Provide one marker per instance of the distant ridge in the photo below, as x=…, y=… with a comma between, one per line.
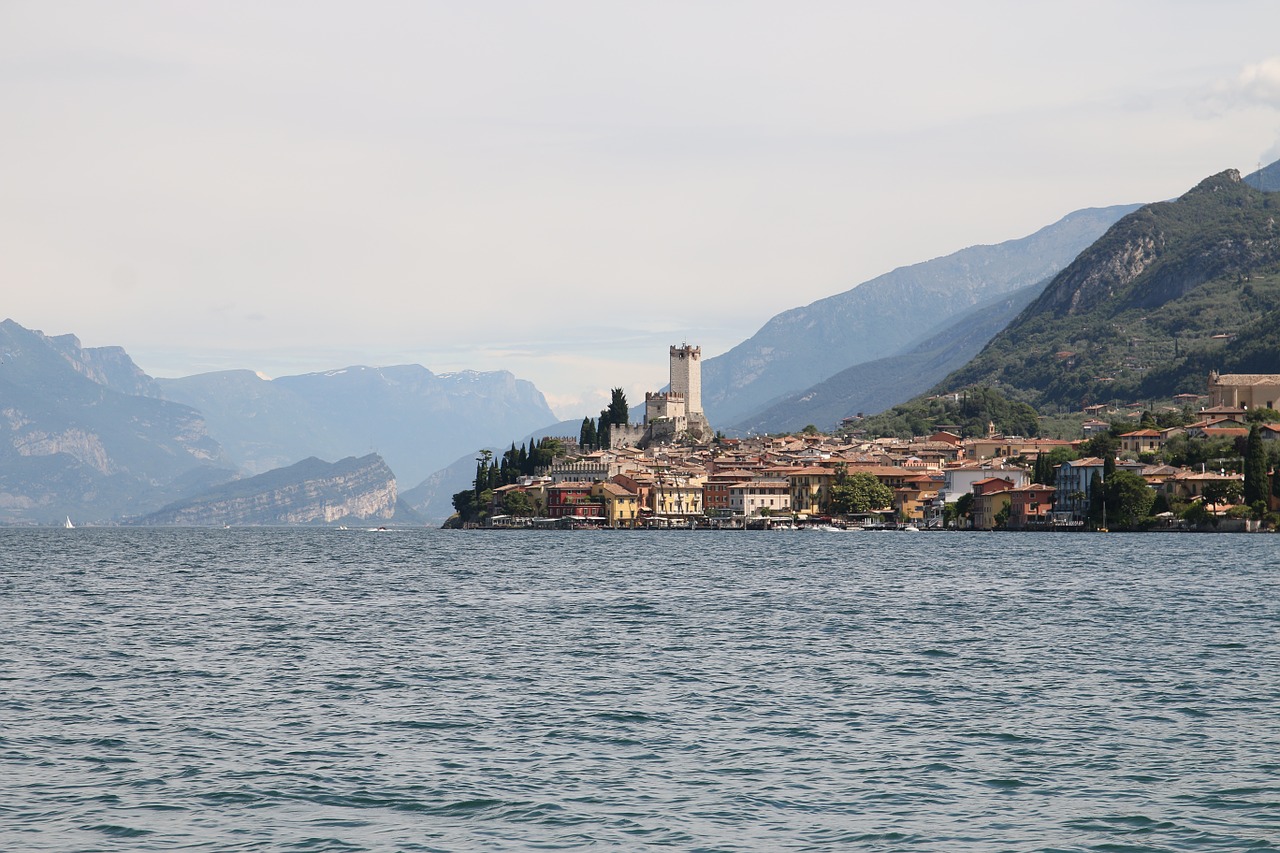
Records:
x=876, y=385
x=417, y=420
x=308, y=492
x=1266, y=179
x=887, y=315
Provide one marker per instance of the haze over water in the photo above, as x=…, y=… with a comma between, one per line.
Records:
x=288, y=689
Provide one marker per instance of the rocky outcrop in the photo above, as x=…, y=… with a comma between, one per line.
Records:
x=1170, y=292
x=1214, y=229
x=310, y=492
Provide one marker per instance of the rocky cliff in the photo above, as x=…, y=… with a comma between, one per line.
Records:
x=83, y=434
x=310, y=492
x=1169, y=292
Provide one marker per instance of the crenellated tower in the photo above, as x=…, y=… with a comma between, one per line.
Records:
x=686, y=376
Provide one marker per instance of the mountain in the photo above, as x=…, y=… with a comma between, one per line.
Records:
x=1266, y=179
x=308, y=492
x=1169, y=292
x=418, y=421
x=886, y=315
x=83, y=433
x=876, y=385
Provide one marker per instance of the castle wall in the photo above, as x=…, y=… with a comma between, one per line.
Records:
x=631, y=435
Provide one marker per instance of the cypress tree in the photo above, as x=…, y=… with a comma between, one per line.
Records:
x=618, y=413
x=1043, y=471
x=603, y=431
x=1255, y=468
x=1097, y=497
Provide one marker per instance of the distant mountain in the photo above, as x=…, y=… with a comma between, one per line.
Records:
x=83, y=434
x=886, y=315
x=1168, y=293
x=1266, y=179
x=876, y=385
x=309, y=492
x=418, y=421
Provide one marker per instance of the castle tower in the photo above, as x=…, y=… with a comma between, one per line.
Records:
x=686, y=376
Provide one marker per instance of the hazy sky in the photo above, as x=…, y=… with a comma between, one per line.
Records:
x=563, y=189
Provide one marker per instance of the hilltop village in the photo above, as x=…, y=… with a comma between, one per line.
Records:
x=1207, y=463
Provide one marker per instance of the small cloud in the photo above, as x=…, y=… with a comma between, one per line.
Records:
x=1260, y=83
x=1257, y=85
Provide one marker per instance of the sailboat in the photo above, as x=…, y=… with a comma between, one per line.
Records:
x=68, y=524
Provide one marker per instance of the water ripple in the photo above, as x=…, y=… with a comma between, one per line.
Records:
x=251, y=690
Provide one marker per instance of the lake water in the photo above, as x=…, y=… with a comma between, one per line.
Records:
x=438, y=690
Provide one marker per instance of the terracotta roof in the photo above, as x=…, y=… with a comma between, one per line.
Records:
x=1249, y=379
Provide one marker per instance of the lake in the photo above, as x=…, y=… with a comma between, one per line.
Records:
x=426, y=690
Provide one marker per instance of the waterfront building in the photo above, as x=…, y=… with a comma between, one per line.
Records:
x=752, y=498
x=621, y=506
x=1030, y=506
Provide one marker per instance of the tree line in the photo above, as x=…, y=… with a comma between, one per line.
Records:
x=596, y=433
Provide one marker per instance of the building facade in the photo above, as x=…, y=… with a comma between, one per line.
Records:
x=1246, y=390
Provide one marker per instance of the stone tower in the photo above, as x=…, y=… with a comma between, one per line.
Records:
x=686, y=376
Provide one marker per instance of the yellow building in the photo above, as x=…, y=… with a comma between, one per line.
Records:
x=810, y=489
x=676, y=497
x=621, y=507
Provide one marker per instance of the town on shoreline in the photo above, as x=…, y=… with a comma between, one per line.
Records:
x=1196, y=463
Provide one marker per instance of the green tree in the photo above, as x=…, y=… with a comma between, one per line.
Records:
x=1103, y=445
x=517, y=503
x=1097, y=498
x=464, y=504
x=1255, y=467
x=1129, y=499
x=618, y=412
x=1218, y=492
x=809, y=429
x=481, y=481
x=858, y=493
x=1047, y=464
x=604, y=430
x=587, y=434
x=964, y=507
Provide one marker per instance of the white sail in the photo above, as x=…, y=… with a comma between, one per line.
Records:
x=68, y=524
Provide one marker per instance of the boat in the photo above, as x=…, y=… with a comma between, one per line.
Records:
x=911, y=528
x=68, y=525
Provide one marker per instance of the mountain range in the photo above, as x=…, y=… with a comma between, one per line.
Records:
x=416, y=420
x=85, y=433
x=892, y=314
x=1169, y=292
x=1107, y=303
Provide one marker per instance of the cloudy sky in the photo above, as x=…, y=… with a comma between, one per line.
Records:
x=562, y=189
